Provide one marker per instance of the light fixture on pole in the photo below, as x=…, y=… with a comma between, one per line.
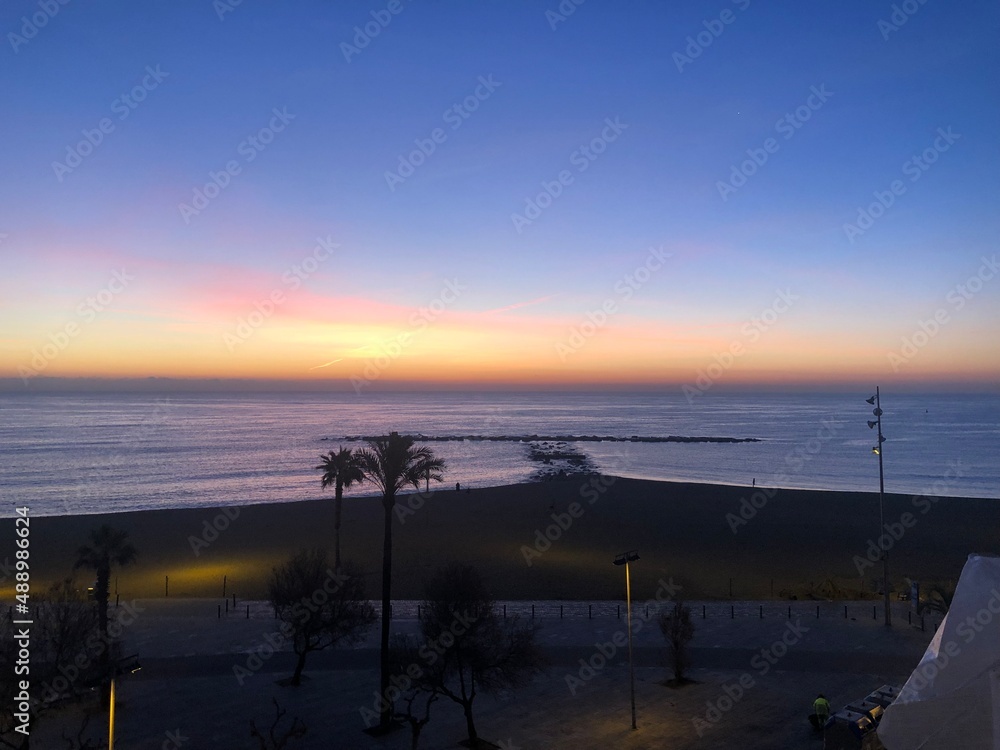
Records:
x=877, y=450
x=129, y=664
x=624, y=559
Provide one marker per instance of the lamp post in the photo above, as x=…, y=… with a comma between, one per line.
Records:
x=624, y=559
x=129, y=664
x=877, y=450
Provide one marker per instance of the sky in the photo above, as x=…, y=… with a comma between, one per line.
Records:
x=401, y=193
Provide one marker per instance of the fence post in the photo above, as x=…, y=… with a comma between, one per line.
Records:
x=702, y=611
x=560, y=611
x=248, y=611
x=220, y=611
x=532, y=611
x=504, y=611
x=619, y=611
x=590, y=611
x=874, y=612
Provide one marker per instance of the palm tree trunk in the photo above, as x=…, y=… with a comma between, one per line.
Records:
x=385, y=719
x=101, y=595
x=337, y=502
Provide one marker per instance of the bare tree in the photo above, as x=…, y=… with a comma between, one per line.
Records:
x=319, y=606
x=273, y=740
x=66, y=628
x=417, y=683
x=65, y=624
x=678, y=630
x=469, y=646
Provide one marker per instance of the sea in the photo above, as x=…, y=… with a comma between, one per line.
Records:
x=77, y=454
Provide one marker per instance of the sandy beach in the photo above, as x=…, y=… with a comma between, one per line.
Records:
x=710, y=538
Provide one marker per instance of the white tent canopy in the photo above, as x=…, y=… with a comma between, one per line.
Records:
x=952, y=698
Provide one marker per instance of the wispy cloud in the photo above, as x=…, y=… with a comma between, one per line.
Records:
x=519, y=305
x=317, y=367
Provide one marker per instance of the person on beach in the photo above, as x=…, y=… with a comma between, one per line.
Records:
x=821, y=712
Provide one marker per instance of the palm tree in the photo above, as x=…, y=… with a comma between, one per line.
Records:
x=108, y=547
x=391, y=464
x=341, y=470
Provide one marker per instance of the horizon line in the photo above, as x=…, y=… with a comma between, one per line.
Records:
x=152, y=384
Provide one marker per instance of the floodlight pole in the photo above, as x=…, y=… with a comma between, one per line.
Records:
x=631, y=665
x=881, y=510
x=111, y=716
x=624, y=559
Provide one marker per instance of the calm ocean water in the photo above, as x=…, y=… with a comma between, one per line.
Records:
x=67, y=455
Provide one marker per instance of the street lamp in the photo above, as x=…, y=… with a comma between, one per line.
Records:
x=877, y=450
x=130, y=665
x=624, y=559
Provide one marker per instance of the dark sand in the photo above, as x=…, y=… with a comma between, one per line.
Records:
x=797, y=542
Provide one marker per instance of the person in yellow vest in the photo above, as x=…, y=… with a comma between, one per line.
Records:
x=821, y=712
